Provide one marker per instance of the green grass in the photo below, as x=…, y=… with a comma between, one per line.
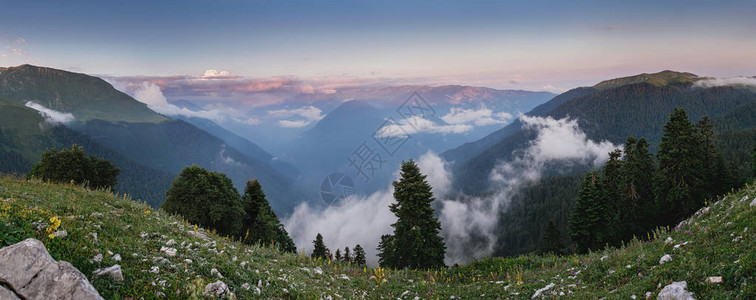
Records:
x=718, y=244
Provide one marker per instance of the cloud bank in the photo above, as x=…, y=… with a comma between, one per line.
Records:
x=307, y=115
x=740, y=80
x=479, y=117
x=151, y=94
x=51, y=116
x=476, y=218
x=418, y=124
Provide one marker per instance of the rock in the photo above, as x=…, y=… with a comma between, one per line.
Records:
x=217, y=289
x=715, y=279
x=155, y=269
x=665, y=258
x=60, y=233
x=114, y=272
x=677, y=290
x=188, y=261
x=29, y=272
x=216, y=273
x=541, y=290
x=169, y=251
x=170, y=242
x=7, y=294
x=245, y=286
x=197, y=234
x=753, y=203
x=117, y=257
x=318, y=270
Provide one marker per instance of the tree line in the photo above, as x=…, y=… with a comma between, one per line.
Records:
x=633, y=193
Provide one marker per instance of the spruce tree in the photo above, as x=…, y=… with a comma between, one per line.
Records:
x=637, y=206
x=347, y=255
x=338, y=255
x=552, y=240
x=386, y=251
x=359, y=256
x=679, y=179
x=261, y=225
x=588, y=221
x=610, y=194
x=319, y=249
x=716, y=175
x=416, y=242
x=753, y=160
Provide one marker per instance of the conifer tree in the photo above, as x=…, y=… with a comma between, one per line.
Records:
x=679, y=179
x=338, y=255
x=753, y=159
x=385, y=249
x=716, y=176
x=261, y=223
x=589, y=219
x=552, y=240
x=347, y=255
x=359, y=256
x=637, y=206
x=610, y=194
x=319, y=249
x=416, y=242
x=208, y=199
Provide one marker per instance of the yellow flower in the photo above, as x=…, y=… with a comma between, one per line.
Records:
x=51, y=236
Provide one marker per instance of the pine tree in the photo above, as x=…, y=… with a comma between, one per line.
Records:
x=589, y=219
x=338, y=255
x=416, y=242
x=359, y=256
x=319, y=249
x=679, y=179
x=261, y=223
x=552, y=240
x=347, y=255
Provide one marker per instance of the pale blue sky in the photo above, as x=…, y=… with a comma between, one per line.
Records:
x=512, y=44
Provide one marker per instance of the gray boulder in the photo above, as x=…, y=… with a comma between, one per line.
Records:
x=677, y=290
x=29, y=272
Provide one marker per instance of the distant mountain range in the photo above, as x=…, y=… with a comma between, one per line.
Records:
x=612, y=110
x=105, y=118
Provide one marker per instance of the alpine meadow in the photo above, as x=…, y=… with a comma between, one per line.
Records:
x=377, y=150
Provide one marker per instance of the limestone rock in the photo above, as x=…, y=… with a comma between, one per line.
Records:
x=664, y=259
x=715, y=279
x=7, y=294
x=31, y=273
x=677, y=290
x=114, y=272
x=217, y=289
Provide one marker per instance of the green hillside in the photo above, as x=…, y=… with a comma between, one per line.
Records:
x=662, y=78
x=24, y=135
x=86, y=97
x=717, y=241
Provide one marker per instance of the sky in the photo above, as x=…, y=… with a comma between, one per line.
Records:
x=531, y=45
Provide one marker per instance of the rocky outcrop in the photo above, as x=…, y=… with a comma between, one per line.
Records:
x=29, y=272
